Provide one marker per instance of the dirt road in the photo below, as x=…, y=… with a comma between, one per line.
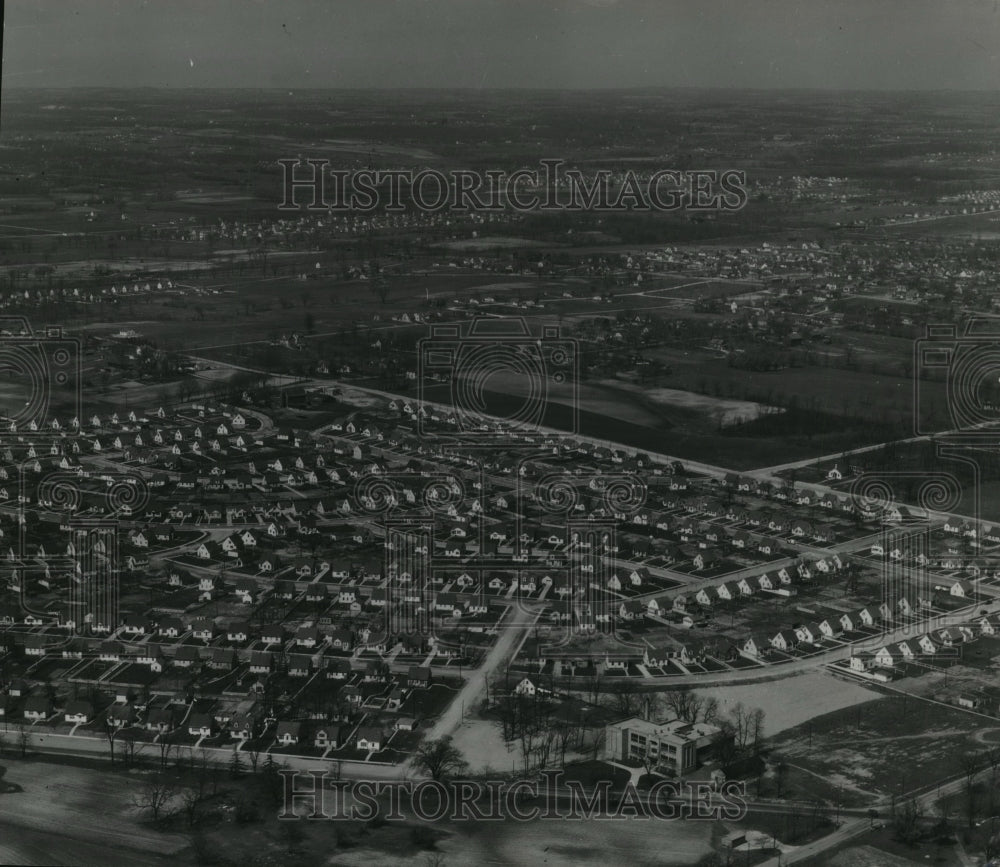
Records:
x=512, y=632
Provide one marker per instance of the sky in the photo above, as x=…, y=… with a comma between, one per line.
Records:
x=831, y=44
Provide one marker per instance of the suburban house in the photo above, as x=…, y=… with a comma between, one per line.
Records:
x=200, y=725
x=37, y=707
x=327, y=736
x=79, y=712
x=288, y=733
x=370, y=738
x=809, y=633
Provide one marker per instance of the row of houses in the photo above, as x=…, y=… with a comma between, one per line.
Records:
x=953, y=558
x=241, y=727
x=865, y=618
x=891, y=656
x=869, y=508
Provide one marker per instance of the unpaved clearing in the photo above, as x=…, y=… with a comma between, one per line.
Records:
x=491, y=242
x=793, y=700
x=72, y=815
x=718, y=408
x=868, y=856
x=483, y=747
x=562, y=843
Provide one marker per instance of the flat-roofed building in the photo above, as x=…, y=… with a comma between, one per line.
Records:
x=674, y=743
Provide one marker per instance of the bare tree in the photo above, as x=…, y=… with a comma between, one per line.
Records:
x=738, y=722
x=685, y=703
x=906, y=826
x=594, y=685
x=710, y=711
x=165, y=745
x=564, y=731
x=191, y=800
x=206, y=771
x=197, y=792
x=726, y=749
x=780, y=777
x=111, y=731
x=23, y=739
x=154, y=795
x=547, y=740
x=625, y=698
x=253, y=755
x=971, y=765
x=131, y=745
x=756, y=729
x=440, y=758
x=650, y=761
x=528, y=739
x=993, y=757
x=748, y=727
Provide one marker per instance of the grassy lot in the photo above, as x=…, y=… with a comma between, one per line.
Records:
x=806, y=786
x=885, y=746
x=878, y=848
x=790, y=702
x=591, y=773
x=795, y=828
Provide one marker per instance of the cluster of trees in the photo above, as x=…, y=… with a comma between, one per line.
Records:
x=742, y=729
x=547, y=731
x=188, y=786
x=386, y=356
x=912, y=824
x=801, y=422
x=973, y=793
x=542, y=730
x=965, y=463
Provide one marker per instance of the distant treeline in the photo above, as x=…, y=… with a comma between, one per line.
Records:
x=799, y=421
